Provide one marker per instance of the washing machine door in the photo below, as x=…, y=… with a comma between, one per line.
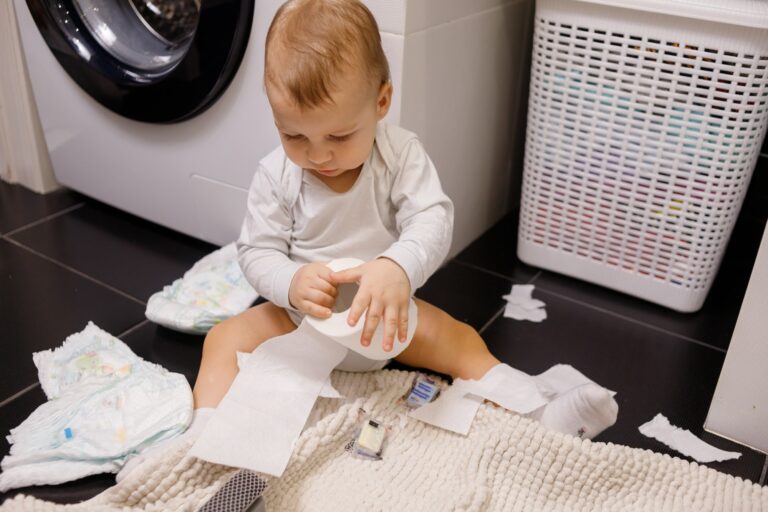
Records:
x=158, y=61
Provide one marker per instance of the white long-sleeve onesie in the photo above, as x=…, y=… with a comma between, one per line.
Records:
x=396, y=209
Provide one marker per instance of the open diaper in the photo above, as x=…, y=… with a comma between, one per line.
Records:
x=213, y=290
x=104, y=404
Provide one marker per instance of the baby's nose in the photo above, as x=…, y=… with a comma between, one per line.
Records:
x=318, y=156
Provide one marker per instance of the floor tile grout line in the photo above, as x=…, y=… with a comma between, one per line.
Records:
x=75, y=271
x=481, y=269
x=764, y=474
x=531, y=280
x=633, y=320
x=132, y=328
x=492, y=319
x=44, y=219
x=18, y=394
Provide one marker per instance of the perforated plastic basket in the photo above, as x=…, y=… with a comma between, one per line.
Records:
x=644, y=126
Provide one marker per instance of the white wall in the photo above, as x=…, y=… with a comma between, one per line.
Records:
x=464, y=83
x=739, y=409
x=23, y=153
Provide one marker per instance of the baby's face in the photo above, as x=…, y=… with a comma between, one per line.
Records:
x=331, y=139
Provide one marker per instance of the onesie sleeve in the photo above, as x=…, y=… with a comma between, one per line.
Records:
x=424, y=216
x=264, y=242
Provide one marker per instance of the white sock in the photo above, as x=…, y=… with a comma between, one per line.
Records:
x=200, y=418
x=584, y=411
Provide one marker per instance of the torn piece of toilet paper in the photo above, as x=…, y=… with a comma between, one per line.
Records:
x=509, y=388
x=521, y=294
x=521, y=306
x=261, y=416
x=684, y=441
x=453, y=410
x=560, y=379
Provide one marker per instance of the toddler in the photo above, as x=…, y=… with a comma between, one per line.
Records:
x=343, y=184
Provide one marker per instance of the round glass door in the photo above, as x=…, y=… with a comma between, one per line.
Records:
x=157, y=61
x=151, y=36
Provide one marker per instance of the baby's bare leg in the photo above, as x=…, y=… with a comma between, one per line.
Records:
x=445, y=345
x=241, y=333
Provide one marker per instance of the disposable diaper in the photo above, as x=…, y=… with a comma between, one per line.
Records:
x=213, y=290
x=104, y=404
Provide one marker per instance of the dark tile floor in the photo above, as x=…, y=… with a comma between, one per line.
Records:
x=66, y=259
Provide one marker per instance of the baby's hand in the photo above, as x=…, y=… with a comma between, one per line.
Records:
x=385, y=292
x=311, y=290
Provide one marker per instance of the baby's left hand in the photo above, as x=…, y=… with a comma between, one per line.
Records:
x=385, y=292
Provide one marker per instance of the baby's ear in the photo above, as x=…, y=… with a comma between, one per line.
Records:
x=384, y=100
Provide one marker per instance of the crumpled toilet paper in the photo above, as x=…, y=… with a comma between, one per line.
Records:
x=104, y=403
x=267, y=406
x=684, y=441
x=213, y=290
x=521, y=306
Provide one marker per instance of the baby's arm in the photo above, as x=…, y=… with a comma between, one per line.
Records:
x=263, y=249
x=424, y=219
x=424, y=216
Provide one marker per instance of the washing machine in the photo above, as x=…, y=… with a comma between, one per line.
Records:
x=153, y=106
x=158, y=108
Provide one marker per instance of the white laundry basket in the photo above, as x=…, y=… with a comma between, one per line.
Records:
x=644, y=126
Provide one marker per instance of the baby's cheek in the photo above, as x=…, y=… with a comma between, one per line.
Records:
x=293, y=155
x=354, y=157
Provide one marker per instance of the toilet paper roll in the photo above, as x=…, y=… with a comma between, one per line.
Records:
x=336, y=327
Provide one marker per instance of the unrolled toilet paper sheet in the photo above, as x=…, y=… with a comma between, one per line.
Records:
x=560, y=379
x=327, y=391
x=456, y=407
x=260, y=418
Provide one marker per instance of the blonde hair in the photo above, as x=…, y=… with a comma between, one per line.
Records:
x=311, y=42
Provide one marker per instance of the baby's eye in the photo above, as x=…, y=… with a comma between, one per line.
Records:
x=292, y=137
x=340, y=138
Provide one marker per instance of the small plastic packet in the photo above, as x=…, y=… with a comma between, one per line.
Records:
x=422, y=391
x=369, y=438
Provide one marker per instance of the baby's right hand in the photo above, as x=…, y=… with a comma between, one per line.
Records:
x=311, y=290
